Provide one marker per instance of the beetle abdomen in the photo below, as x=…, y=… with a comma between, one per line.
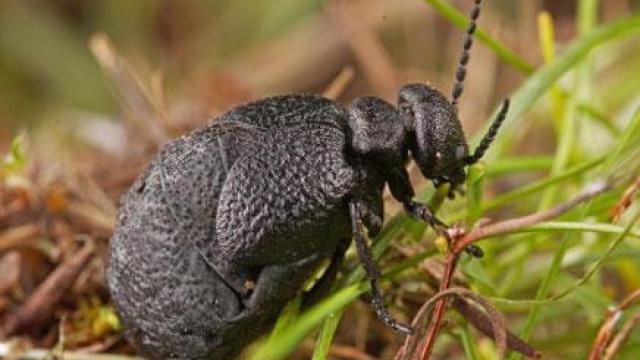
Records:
x=171, y=300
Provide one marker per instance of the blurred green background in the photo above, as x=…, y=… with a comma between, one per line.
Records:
x=46, y=68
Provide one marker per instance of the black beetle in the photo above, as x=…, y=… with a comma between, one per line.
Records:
x=228, y=222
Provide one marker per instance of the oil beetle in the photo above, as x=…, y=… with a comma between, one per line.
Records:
x=228, y=222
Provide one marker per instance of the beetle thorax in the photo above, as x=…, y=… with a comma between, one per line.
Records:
x=377, y=132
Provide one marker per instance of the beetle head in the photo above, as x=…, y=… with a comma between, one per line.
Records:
x=436, y=139
x=426, y=124
x=435, y=135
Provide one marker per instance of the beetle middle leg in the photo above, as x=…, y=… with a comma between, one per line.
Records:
x=372, y=272
x=402, y=190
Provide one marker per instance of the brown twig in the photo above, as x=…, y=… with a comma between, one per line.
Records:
x=494, y=321
x=134, y=94
x=368, y=50
x=406, y=351
x=625, y=201
x=481, y=322
x=92, y=216
x=41, y=303
x=458, y=242
x=18, y=236
x=339, y=83
x=349, y=353
x=341, y=351
x=511, y=225
x=471, y=313
x=438, y=313
x=600, y=347
x=9, y=351
x=617, y=342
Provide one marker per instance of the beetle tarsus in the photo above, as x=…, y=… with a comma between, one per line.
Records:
x=474, y=251
x=422, y=212
x=372, y=273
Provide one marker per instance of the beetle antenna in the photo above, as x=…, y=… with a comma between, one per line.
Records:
x=490, y=135
x=461, y=71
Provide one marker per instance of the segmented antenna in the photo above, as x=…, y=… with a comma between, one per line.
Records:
x=490, y=135
x=461, y=71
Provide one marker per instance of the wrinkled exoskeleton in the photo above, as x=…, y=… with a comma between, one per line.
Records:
x=228, y=222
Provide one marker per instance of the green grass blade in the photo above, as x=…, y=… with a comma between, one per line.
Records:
x=612, y=246
x=537, y=186
x=518, y=165
x=329, y=311
x=327, y=332
x=541, y=81
x=461, y=21
x=468, y=344
x=578, y=226
x=287, y=341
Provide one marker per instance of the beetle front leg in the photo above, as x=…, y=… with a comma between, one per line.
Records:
x=402, y=190
x=372, y=272
x=422, y=212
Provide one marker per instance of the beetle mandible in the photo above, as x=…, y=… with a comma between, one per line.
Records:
x=228, y=222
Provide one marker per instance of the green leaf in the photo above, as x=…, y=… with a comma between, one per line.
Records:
x=16, y=159
x=475, y=190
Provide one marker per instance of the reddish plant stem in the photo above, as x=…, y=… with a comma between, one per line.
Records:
x=512, y=225
x=625, y=201
x=482, y=322
x=460, y=241
x=438, y=312
x=607, y=329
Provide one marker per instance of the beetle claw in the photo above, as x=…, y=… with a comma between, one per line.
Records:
x=474, y=251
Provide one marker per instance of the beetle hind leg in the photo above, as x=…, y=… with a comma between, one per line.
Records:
x=372, y=272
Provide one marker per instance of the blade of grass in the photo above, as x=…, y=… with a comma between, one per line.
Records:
x=531, y=189
x=467, y=343
x=475, y=187
x=610, y=162
x=518, y=165
x=543, y=184
x=329, y=310
x=327, y=332
x=568, y=132
x=289, y=338
x=578, y=226
x=599, y=117
x=612, y=246
x=546, y=35
x=613, y=160
x=286, y=318
x=540, y=81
